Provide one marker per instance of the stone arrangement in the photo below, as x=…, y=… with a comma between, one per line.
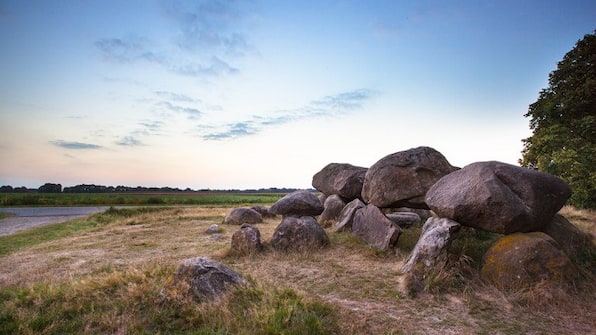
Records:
x=400, y=190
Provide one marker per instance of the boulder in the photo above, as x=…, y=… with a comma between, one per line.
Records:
x=346, y=217
x=498, y=197
x=342, y=179
x=571, y=240
x=403, y=178
x=333, y=206
x=264, y=211
x=404, y=219
x=424, y=214
x=213, y=229
x=201, y=278
x=298, y=203
x=243, y=215
x=522, y=260
x=299, y=233
x=435, y=238
x=375, y=228
x=247, y=240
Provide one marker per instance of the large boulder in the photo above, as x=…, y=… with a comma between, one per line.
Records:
x=375, y=228
x=333, y=207
x=264, y=211
x=201, y=278
x=342, y=179
x=298, y=203
x=299, y=233
x=403, y=178
x=522, y=260
x=247, y=240
x=574, y=242
x=243, y=215
x=498, y=197
x=346, y=217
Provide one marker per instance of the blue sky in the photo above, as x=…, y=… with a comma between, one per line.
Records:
x=250, y=94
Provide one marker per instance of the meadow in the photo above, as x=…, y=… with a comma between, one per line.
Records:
x=136, y=199
x=102, y=275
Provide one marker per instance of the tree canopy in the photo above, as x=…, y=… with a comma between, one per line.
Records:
x=563, y=120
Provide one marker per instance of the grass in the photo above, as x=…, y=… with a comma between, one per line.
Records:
x=5, y=215
x=103, y=274
x=94, y=199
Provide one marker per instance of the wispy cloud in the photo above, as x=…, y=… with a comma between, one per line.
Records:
x=74, y=145
x=207, y=39
x=129, y=141
x=175, y=96
x=190, y=112
x=328, y=106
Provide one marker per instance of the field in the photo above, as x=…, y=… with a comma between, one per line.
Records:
x=102, y=274
x=174, y=198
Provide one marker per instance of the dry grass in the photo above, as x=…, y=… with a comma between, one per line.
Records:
x=361, y=284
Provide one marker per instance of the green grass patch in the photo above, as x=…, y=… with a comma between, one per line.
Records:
x=129, y=302
x=96, y=199
x=5, y=215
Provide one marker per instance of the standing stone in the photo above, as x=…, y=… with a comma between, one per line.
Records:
x=299, y=233
x=247, y=240
x=333, y=207
x=243, y=215
x=375, y=228
x=202, y=278
x=403, y=178
x=298, y=203
x=573, y=241
x=435, y=238
x=498, y=197
x=346, y=217
x=522, y=260
x=344, y=180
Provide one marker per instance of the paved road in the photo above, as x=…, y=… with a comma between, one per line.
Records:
x=27, y=217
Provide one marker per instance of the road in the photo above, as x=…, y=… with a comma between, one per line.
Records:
x=27, y=217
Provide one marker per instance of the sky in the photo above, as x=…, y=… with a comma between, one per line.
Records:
x=256, y=94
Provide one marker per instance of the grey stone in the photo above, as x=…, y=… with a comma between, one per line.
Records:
x=247, y=240
x=346, y=217
x=342, y=179
x=298, y=203
x=333, y=207
x=299, y=233
x=239, y=216
x=375, y=228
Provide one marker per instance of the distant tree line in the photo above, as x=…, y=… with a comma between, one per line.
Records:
x=92, y=188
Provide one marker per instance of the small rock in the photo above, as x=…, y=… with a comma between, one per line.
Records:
x=213, y=229
x=247, y=240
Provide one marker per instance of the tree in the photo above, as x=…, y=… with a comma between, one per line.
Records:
x=563, y=120
x=50, y=188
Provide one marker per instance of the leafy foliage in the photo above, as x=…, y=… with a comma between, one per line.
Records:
x=563, y=120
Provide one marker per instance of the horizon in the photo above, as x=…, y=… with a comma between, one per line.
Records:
x=235, y=95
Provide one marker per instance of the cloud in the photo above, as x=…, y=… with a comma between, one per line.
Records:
x=175, y=96
x=191, y=112
x=129, y=141
x=328, y=106
x=74, y=145
x=127, y=50
x=214, y=67
x=214, y=25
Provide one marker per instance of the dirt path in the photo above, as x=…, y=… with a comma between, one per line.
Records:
x=28, y=217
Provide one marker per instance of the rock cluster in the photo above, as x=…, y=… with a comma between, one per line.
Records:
x=395, y=193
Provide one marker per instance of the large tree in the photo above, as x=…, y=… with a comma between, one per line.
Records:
x=563, y=120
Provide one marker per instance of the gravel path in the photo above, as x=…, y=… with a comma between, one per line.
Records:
x=27, y=217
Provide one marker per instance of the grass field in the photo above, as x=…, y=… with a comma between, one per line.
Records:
x=94, y=199
x=102, y=275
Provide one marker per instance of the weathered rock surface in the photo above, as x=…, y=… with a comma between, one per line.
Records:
x=404, y=219
x=264, y=211
x=333, y=207
x=342, y=179
x=403, y=178
x=498, y=197
x=521, y=260
x=298, y=203
x=243, y=215
x=299, y=233
x=375, y=228
x=346, y=217
x=202, y=278
x=247, y=240
x=572, y=241
x=436, y=235
x=213, y=229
